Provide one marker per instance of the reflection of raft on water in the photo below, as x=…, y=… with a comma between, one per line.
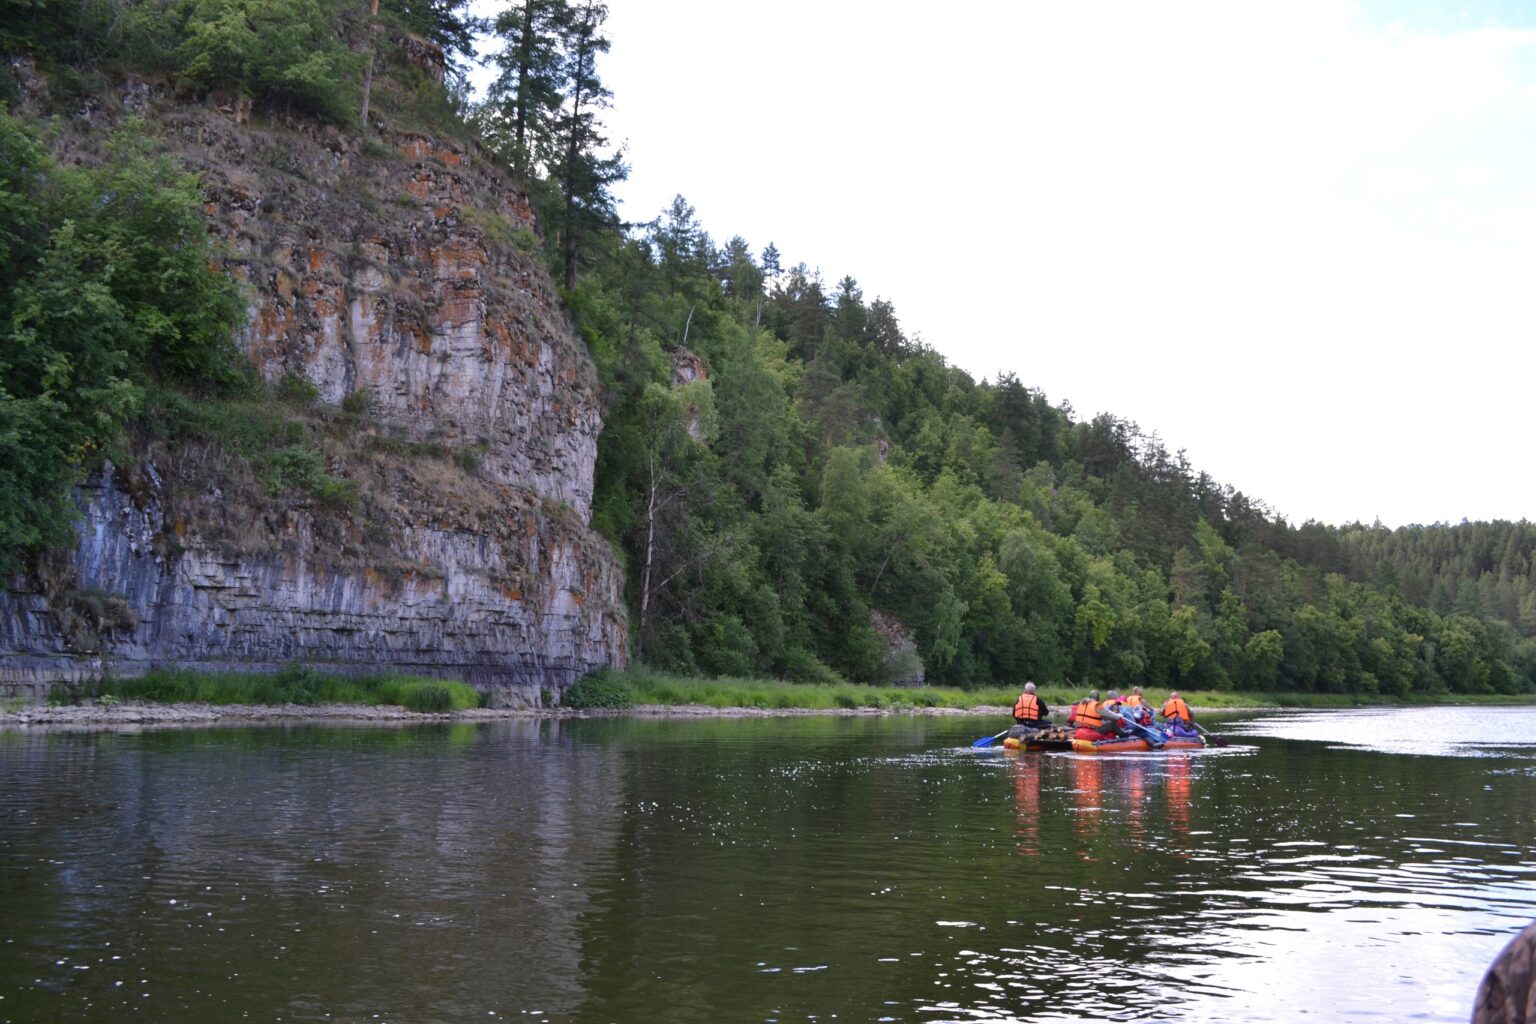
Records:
x=1059, y=737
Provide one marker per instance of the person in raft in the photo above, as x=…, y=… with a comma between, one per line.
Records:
x=1087, y=720
x=1137, y=707
x=1114, y=720
x=1029, y=710
x=1179, y=720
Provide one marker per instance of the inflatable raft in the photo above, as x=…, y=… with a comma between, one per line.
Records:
x=1132, y=745
x=1061, y=738
x=1055, y=738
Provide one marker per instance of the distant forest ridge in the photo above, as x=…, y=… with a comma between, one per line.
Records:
x=796, y=487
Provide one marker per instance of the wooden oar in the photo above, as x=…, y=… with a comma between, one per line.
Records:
x=987, y=741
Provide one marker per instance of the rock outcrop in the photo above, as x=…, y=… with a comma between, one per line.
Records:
x=402, y=270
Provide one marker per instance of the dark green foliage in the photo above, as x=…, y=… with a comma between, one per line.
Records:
x=107, y=283
x=601, y=690
x=73, y=33
x=444, y=23
x=824, y=468
x=284, y=53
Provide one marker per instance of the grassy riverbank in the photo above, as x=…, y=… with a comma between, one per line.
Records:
x=300, y=685
x=645, y=686
x=295, y=684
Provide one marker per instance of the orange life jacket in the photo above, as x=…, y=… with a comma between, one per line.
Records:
x=1088, y=716
x=1176, y=708
x=1134, y=700
x=1027, y=708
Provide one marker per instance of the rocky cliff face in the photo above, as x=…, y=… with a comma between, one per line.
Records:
x=404, y=269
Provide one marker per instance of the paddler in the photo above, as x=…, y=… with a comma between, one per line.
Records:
x=1029, y=710
x=1088, y=720
x=1177, y=716
x=1113, y=712
x=1140, y=711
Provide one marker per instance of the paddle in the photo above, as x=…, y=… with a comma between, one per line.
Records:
x=1212, y=738
x=1152, y=736
x=987, y=741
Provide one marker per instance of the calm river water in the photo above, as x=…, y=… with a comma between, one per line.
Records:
x=1327, y=867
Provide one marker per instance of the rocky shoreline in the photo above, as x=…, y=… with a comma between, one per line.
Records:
x=135, y=715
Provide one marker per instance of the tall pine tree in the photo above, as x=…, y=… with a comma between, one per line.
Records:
x=584, y=173
x=526, y=96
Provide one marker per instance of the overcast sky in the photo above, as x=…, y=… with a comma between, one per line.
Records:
x=1296, y=240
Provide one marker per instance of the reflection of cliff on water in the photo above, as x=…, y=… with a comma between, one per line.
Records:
x=346, y=859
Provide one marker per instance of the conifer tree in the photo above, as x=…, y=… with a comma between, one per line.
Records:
x=584, y=173
x=527, y=93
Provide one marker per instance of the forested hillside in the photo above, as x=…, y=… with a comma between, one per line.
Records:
x=798, y=488
x=823, y=468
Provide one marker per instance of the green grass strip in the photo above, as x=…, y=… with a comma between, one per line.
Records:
x=296, y=684
x=643, y=685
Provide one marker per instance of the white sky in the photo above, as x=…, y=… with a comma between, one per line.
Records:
x=1297, y=240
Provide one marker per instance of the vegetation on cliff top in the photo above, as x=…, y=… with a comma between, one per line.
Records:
x=799, y=489
x=107, y=283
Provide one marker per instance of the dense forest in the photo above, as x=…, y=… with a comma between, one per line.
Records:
x=795, y=486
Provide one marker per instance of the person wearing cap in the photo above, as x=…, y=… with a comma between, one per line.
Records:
x=1029, y=710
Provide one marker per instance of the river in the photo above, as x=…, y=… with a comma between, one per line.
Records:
x=1347, y=866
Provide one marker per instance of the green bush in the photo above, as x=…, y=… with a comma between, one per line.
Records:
x=296, y=389
x=804, y=667
x=301, y=468
x=602, y=690
x=357, y=403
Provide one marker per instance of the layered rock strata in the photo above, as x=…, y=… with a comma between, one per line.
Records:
x=404, y=268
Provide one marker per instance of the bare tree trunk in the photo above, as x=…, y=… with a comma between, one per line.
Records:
x=569, y=241
x=373, y=13
x=650, y=547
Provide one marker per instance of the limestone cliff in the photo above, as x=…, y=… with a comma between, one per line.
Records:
x=401, y=271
